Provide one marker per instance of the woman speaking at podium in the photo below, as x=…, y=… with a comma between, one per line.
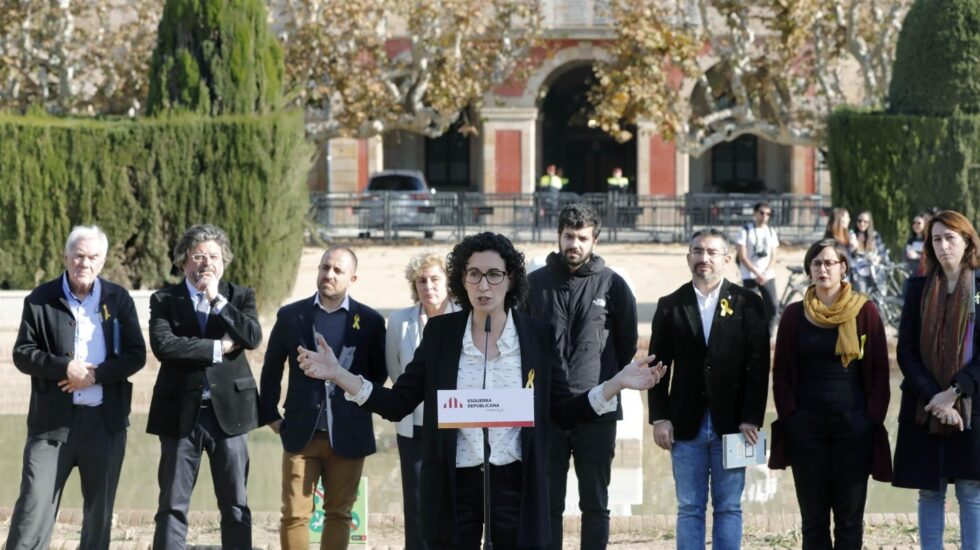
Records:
x=488, y=344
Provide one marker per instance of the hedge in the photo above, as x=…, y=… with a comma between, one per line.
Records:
x=897, y=165
x=144, y=182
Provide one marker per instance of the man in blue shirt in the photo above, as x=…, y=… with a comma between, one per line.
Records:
x=80, y=341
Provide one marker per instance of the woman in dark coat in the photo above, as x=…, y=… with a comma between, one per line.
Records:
x=830, y=385
x=487, y=275
x=938, y=436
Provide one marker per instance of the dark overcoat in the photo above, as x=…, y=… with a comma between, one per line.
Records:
x=924, y=461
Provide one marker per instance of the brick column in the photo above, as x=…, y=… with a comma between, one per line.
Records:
x=509, y=138
x=352, y=161
x=660, y=168
x=802, y=170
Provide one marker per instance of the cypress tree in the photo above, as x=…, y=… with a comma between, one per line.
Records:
x=937, y=59
x=215, y=57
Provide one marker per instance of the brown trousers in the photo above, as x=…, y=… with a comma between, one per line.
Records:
x=300, y=472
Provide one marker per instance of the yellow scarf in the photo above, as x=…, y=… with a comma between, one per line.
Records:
x=842, y=314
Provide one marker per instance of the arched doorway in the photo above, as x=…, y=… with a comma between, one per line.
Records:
x=585, y=154
x=743, y=164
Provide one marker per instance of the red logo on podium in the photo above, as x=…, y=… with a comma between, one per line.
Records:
x=453, y=403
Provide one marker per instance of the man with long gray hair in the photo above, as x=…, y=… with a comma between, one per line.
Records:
x=205, y=398
x=80, y=341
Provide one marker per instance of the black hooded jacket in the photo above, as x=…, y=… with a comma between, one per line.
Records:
x=594, y=315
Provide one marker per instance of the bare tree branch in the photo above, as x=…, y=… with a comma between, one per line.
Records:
x=362, y=67
x=773, y=68
x=76, y=56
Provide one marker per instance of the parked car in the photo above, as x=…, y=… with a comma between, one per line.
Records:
x=410, y=203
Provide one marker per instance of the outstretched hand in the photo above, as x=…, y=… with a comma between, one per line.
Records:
x=322, y=364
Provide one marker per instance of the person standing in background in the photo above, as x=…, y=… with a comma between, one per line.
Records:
x=593, y=313
x=617, y=183
x=426, y=274
x=80, y=341
x=830, y=382
x=757, y=246
x=324, y=437
x=205, y=398
x=712, y=336
x=915, y=244
x=938, y=435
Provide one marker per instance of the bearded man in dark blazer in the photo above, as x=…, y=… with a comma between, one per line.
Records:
x=713, y=336
x=80, y=341
x=324, y=436
x=205, y=398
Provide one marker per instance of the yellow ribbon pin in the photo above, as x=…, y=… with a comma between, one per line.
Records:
x=726, y=310
x=530, y=380
x=105, y=313
x=357, y=322
x=864, y=338
x=976, y=299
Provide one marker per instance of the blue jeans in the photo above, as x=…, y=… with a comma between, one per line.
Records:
x=695, y=462
x=932, y=505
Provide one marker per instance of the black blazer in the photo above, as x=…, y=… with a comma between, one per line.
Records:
x=435, y=367
x=353, y=430
x=729, y=375
x=45, y=345
x=185, y=356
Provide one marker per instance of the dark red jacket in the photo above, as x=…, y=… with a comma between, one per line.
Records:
x=874, y=373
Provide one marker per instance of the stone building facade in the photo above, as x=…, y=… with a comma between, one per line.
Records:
x=543, y=121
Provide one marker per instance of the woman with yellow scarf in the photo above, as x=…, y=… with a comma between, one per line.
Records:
x=938, y=440
x=830, y=386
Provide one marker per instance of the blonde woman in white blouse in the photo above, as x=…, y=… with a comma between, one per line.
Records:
x=426, y=275
x=487, y=275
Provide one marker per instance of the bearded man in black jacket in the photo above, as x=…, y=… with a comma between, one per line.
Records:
x=594, y=315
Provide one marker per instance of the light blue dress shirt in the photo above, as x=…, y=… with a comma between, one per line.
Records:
x=89, y=339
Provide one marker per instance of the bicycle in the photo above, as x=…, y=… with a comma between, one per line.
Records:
x=795, y=287
x=885, y=289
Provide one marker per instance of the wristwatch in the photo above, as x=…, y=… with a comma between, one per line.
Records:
x=957, y=390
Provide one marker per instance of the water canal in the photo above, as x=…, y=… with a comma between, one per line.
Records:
x=642, y=482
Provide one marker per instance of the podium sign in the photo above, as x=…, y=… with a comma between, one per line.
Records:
x=493, y=408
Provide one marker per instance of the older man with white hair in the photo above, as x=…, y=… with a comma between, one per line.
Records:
x=80, y=341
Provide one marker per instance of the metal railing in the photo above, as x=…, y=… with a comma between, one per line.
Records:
x=534, y=216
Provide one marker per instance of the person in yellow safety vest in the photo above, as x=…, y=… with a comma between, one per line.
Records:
x=551, y=181
x=617, y=182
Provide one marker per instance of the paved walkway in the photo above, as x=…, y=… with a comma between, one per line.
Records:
x=133, y=529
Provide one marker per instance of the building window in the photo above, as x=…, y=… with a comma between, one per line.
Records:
x=447, y=160
x=734, y=165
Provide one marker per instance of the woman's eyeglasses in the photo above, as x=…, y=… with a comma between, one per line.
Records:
x=494, y=276
x=817, y=264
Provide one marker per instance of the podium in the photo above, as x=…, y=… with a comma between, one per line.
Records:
x=486, y=408
x=490, y=408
